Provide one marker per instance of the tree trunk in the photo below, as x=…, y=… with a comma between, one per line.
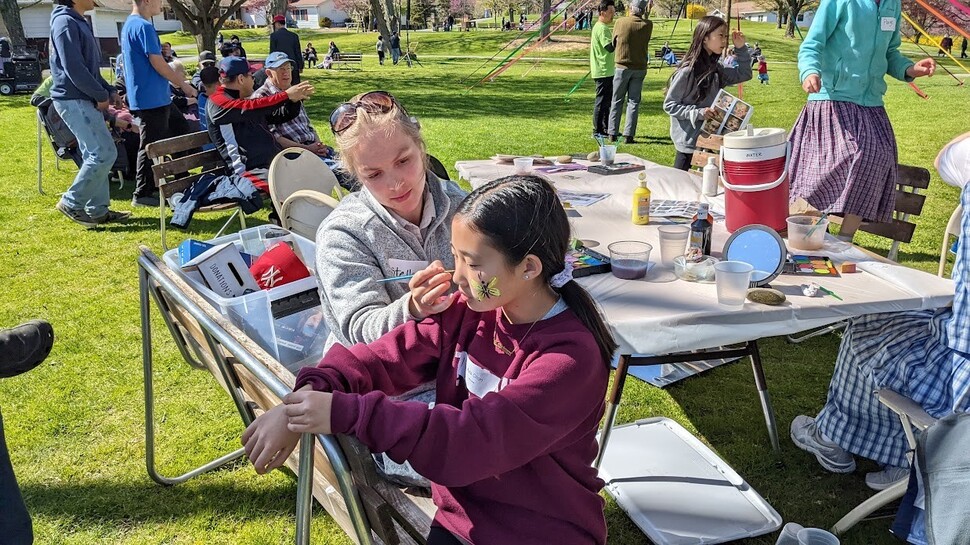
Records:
x=779, y=19
x=546, y=23
x=275, y=7
x=792, y=21
x=10, y=13
x=381, y=23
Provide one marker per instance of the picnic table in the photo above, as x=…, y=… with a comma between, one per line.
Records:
x=668, y=320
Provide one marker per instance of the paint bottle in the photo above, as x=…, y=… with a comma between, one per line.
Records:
x=700, y=229
x=641, y=202
x=709, y=187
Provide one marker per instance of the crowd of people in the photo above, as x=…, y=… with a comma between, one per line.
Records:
x=519, y=351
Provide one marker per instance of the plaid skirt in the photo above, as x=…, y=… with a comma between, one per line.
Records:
x=905, y=352
x=843, y=159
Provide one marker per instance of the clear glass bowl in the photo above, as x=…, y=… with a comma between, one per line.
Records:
x=702, y=271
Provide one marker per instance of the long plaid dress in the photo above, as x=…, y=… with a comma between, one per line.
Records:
x=924, y=355
x=843, y=159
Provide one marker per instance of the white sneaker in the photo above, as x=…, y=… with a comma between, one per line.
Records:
x=832, y=457
x=881, y=480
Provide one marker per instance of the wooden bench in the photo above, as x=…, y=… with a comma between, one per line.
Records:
x=910, y=182
x=349, y=59
x=707, y=146
x=177, y=163
x=678, y=54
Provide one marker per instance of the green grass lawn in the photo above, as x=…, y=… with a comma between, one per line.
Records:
x=74, y=425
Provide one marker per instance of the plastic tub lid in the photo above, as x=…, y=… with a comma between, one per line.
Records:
x=678, y=491
x=750, y=138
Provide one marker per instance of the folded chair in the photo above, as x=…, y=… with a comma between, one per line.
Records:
x=912, y=417
x=303, y=190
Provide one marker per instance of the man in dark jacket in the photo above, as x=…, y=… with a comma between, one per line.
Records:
x=631, y=36
x=287, y=42
x=238, y=125
x=79, y=92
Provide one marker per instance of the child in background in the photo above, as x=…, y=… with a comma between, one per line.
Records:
x=693, y=87
x=843, y=150
x=521, y=360
x=762, y=71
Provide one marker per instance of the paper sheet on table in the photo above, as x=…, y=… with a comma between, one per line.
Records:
x=664, y=208
x=578, y=198
x=916, y=282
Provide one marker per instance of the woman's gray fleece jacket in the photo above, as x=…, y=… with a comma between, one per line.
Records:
x=687, y=116
x=354, y=246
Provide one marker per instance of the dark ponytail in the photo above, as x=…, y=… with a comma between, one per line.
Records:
x=522, y=215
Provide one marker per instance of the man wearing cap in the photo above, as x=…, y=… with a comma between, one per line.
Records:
x=238, y=123
x=147, y=78
x=298, y=132
x=288, y=43
x=631, y=37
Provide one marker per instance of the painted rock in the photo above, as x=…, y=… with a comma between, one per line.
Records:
x=766, y=296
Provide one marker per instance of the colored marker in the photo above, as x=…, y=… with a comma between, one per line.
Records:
x=404, y=277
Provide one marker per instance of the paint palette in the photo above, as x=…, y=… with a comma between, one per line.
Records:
x=810, y=265
x=586, y=262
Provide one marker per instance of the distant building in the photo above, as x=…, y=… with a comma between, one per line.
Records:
x=751, y=11
x=308, y=13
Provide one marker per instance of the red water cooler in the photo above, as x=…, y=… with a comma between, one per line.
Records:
x=754, y=171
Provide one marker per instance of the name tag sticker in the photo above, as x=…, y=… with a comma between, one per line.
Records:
x=401, y=267
x=888, y=24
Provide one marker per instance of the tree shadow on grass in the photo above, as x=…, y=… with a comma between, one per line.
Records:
x=95, y=502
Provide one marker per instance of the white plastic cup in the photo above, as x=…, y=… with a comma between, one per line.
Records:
x=523, y=165
x=607, y=154
x=673, y=242
x=789, y=534
x=815, y=536
x=732, y=279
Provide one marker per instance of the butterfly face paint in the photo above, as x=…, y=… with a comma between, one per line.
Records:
x=486, y=290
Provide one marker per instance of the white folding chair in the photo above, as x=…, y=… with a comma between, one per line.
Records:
x=304, y=211
x=295, y=169
x=912, y=416
x=952, y=229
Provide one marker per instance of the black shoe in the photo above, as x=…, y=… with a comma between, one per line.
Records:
x=150, y=201
x=613, y=138
x=113, y=216
x=630, y=140
x=25, y=347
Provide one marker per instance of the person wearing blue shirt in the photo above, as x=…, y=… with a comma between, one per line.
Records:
x=147, y=77
x=78, y=93
x=843, y=150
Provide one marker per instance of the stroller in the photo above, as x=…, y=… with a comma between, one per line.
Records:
x=65, y=146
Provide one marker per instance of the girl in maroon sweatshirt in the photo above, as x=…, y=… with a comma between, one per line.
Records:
x=521, y=360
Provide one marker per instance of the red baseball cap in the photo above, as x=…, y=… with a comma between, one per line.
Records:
x=277, y=266
x=279, y=19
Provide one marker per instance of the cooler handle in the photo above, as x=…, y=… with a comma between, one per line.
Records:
x=755, y=188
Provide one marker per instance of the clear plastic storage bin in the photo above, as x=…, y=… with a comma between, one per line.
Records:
x=286, y=321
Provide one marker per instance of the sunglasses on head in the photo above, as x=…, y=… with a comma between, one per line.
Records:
x=375, y=102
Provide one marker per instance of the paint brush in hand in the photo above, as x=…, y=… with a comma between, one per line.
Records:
x=404, y=277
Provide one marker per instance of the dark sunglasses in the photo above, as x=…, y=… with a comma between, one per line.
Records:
x=375, y=102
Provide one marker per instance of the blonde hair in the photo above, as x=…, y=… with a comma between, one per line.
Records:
x=177, y=67
x=370, y=123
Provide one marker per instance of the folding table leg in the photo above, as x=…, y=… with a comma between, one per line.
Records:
x=146, y=347
x=612, y=404
x=762, y=385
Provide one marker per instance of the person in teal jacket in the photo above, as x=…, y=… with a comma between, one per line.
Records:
x=843, y=158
